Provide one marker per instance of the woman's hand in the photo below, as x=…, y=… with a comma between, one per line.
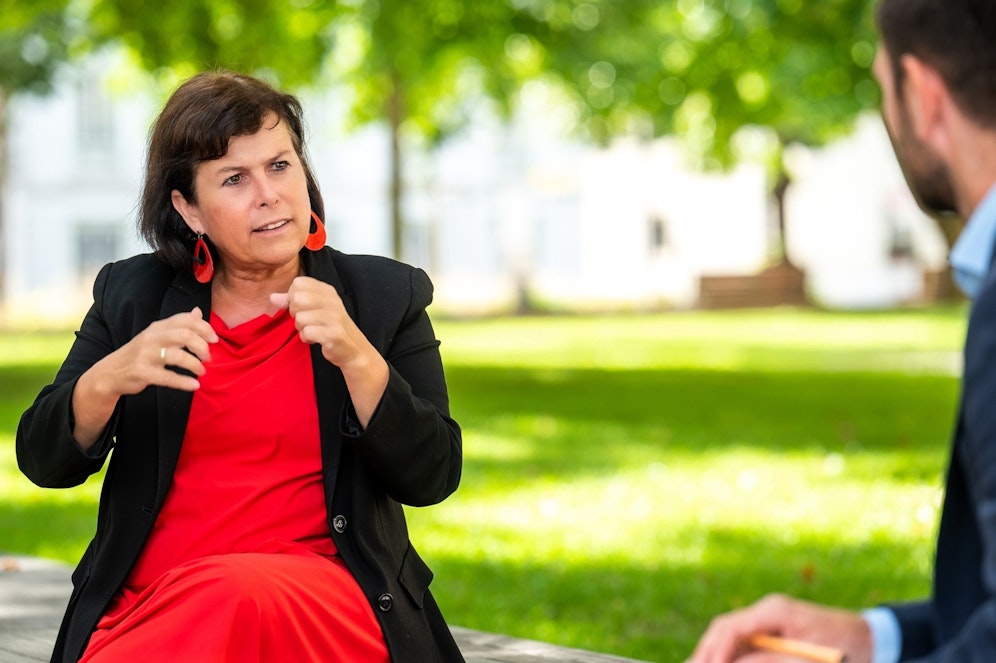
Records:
x=180, y=341
x=321, y=318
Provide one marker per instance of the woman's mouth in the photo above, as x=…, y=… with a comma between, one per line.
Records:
x=273, y=226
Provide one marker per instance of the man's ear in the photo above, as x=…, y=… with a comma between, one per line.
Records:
x=187, y=211
x=927, y=100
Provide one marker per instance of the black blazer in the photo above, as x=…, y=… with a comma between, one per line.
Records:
x=409, y=454
x=958, y=621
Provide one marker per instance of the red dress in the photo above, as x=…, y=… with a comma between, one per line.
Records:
x=240, y=565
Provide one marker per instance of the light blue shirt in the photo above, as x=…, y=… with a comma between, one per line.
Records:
x=887, y=637
x=970, y=260
x=972, y=253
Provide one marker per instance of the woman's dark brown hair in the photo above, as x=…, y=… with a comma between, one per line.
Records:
x=196, y=125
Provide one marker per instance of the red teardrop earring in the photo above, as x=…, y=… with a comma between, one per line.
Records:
x=203, y=262
x=316, y=234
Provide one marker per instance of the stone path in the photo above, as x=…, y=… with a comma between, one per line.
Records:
x=33, y=594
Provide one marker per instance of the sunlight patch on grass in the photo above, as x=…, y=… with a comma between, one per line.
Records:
x=664, y=514
x=40, y=348
x=733, y=340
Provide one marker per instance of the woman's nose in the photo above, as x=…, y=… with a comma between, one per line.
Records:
x=266, y=192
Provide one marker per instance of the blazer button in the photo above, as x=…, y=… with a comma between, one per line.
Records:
x=385, y=602
x=339, y=524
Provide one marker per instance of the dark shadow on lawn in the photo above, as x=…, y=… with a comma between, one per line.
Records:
x=19, y=385
x=599, y=421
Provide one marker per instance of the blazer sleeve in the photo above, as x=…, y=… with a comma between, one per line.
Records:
x=47, y=453
x=916, y=622
x=963, y=628
x=411, y=443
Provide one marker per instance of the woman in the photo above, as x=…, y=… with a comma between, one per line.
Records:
x=270, y=403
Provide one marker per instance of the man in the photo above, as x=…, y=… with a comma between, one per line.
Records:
x=936, y=67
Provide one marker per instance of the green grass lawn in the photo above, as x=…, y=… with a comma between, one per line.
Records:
x=628, y=477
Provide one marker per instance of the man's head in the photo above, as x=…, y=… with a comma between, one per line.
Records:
x=936, y=56
x=955, y=37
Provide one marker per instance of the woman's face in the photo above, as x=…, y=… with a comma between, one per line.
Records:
x=253, y=202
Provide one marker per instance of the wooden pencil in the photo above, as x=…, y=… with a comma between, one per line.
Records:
x=806, y=650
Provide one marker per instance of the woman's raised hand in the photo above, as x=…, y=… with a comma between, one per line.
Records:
x=321, y=318
x=179, y=342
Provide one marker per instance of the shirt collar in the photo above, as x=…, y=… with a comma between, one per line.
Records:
x=973, y=252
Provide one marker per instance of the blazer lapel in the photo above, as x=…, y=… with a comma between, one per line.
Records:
x=330, y=387
x=173, y=405
x=321, y=265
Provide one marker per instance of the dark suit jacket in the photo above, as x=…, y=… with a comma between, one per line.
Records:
x=409, y=454
x=958, y=622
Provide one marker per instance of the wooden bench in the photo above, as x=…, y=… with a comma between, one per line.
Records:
x=33, y=594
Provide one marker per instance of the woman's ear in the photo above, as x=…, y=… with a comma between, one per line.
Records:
x=187, y=211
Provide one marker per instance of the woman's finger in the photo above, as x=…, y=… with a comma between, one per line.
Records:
x=280, y=299
x=182, y=358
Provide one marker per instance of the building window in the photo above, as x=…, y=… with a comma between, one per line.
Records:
x=900, y=239
x=94, y=116
x=96, y=245
x=658, y=234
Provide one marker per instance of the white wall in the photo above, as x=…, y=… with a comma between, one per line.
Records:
x=492, y=212
x=844, y=208
x=63, y=184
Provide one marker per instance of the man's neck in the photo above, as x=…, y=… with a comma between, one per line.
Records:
x=973, y=168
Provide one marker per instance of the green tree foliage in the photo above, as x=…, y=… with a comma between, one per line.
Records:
x=705, y=69
x=284, y=41
x=33, y=41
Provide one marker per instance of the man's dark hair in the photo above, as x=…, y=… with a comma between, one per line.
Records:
x=955, y=37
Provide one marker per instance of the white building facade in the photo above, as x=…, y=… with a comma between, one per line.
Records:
x=497, y=216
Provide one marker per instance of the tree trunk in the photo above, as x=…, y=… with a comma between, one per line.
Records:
x=940, y=286
x=781, y=247
x=944, y=289
x=3, y=181
x=395, y=114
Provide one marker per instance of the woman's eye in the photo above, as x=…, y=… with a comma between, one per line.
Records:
x=233, y=180
x=281, y=165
